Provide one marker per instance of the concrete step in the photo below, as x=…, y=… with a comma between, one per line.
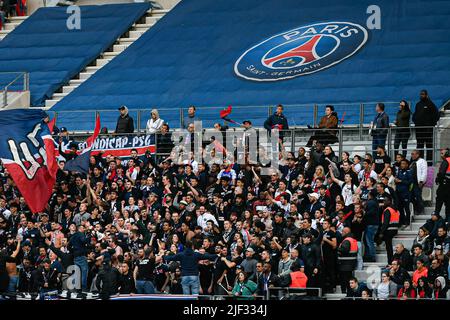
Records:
x=110, y=54
x=407, y=232
x=18, y=19
x=93, y=68
x=75, y=82
x=127, y=40
x=86, y=75
x=102, y=62
x=11, y=26
x=68, y=89
x=407, y=242
x=152, y=19
x=120, y=47
x=143, y=26
x=374, y=264
x=59, y=96
x=137, y=33
x=381, y=258
x=50, y=103
x=158, y=11
x=334, y=296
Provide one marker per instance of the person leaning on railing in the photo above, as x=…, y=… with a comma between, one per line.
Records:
x=244, y=289
x=328, y=121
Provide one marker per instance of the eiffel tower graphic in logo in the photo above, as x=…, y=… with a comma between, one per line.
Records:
x=305, y=51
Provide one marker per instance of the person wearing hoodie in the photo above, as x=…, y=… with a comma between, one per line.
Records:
x=155, y=123
x=439, y=288
x=328, y=121
x=189, y=267
x=125, y=123
x=277, y=121
x=426, y=114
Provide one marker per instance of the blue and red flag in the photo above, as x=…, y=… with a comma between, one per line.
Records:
x=27, y=151
x=81, y=162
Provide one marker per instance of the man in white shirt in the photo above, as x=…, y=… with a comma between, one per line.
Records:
x=204, y=217
x=419, y=168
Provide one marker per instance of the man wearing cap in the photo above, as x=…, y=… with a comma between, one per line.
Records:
x=314, y=203
x=125, y=123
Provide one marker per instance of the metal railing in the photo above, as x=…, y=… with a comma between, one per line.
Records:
x=284, y=293
x=13, y=82
x=298, y=115
x=352, y=140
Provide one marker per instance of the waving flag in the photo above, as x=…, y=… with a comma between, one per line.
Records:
x=225, y=113
x=27, y=151
x=81, y=162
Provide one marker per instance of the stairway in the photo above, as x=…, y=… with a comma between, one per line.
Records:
x=406, y=237
x=139, y=28
x=10, y=25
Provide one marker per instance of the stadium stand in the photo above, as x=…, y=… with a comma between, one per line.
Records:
x=61, y=52
x=161, y=70
x=139, y=28
x=10, y=25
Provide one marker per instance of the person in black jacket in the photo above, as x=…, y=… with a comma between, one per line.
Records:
x=266, y=280
x=311, y=256
x=277, y=121
x=389, y=228
x=426, y=114
x=403, y=257
x=189, y=267
x=398, y=274
x=355, y=289
x=125, y=123
x=47, y=278
x=126, y=280
x=78, y=244
x=443, y=180
x=402, y=132
x=372, y=222
x=107, y=280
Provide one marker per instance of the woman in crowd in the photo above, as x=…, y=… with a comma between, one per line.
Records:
x=155, y=123
x=386, y=288
x=423, y=238
x=407, y=291
x=244, y=289
x=402, y=132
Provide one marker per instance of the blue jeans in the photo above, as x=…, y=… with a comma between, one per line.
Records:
x=145, y=287
x=190, y=284
x=369, y=236
x=359, y=258
x=378, y=140
x=12, y=286
x=82, y=263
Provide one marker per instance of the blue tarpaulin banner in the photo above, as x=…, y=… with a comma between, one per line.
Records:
x=260, y=53
x=44, y=46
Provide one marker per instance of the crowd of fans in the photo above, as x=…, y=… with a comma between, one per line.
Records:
x=154, y=225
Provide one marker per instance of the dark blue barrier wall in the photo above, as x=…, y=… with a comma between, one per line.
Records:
x=190, y=57
x=43, y=45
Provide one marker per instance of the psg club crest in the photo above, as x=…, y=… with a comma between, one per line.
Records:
x=301, y=51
